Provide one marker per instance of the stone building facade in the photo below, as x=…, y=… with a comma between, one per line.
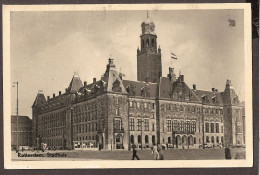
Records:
x=113, y=113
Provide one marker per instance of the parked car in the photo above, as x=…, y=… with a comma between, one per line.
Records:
x=207, y=145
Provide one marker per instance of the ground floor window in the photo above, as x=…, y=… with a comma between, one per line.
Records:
x=153, y=139
x=146, y=139
x=217, y=139
x=207, y=139
x=169, y=140
x=212, y=139
x=194, y=140
x=132, y=139
x=139, y=139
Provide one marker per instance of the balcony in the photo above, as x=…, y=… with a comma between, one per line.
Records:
x=119, y=130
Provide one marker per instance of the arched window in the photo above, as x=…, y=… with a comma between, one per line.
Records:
x=212, y=139
x=153, y=139
x=146, y=139
x=132, y=139
x=139, y=139
x=217, y=139
x=207, y=139
x=147, y=42
x=169, y=140
x=152, y=42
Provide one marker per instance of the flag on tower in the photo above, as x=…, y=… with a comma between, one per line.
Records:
x=173, y=56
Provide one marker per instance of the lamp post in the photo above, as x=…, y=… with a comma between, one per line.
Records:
x=17, y=145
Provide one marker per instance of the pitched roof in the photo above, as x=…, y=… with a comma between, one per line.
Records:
x=75, y=84
x=138, y=86
x=214, y=98
x=39, y=100
x=55, y=103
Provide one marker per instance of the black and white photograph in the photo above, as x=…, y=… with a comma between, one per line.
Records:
x=127, y=86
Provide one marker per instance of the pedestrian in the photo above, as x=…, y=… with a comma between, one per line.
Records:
x=227, y=152
x=134, y=153
x=160, y=150
x=155, y=152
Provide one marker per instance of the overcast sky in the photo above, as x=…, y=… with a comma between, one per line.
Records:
x=47, y=47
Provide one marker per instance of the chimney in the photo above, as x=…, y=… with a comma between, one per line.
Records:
x=53, y=95
x=85, y=84
x=213, y=89
x=59, y=93
x=48, y=98
x=194, y=87
x=181, y=78
x=85, y=91
x=94, y=80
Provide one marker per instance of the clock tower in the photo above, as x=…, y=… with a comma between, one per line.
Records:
x=149, y=64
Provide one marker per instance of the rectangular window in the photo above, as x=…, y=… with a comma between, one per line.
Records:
x=132, y=124
x=139, y=124
x=222, y=129
x=131, y=104
x=152, y=116
x=187, y=127
x=182, y=126
x=117, y=124
x=212, y=128
x=169, y=125
x=146, y=124
x=193, y=126
x=138, y=104
x=145, y=105
x=217, y=128
x=153, y=127
x=117, y=112
x=117, y=101
x=175, y=125
x=152, y=105
x=207, y=127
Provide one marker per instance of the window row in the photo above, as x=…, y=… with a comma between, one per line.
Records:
x=212, y=139
x=213, y=128
x=89, y=116
x=51, y=132
x=175, y=107
x=139, y=125
x=50, y=116
x=89, y=106
x=86, y=128
x=142, y=105
x=175, y=125
x=52, y=123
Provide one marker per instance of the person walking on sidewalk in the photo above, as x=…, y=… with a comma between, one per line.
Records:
x=134, y=153
x=155, y=152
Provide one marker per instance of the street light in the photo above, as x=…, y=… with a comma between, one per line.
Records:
x=16, y=83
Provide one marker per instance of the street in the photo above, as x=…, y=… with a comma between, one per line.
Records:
x=172, y=154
